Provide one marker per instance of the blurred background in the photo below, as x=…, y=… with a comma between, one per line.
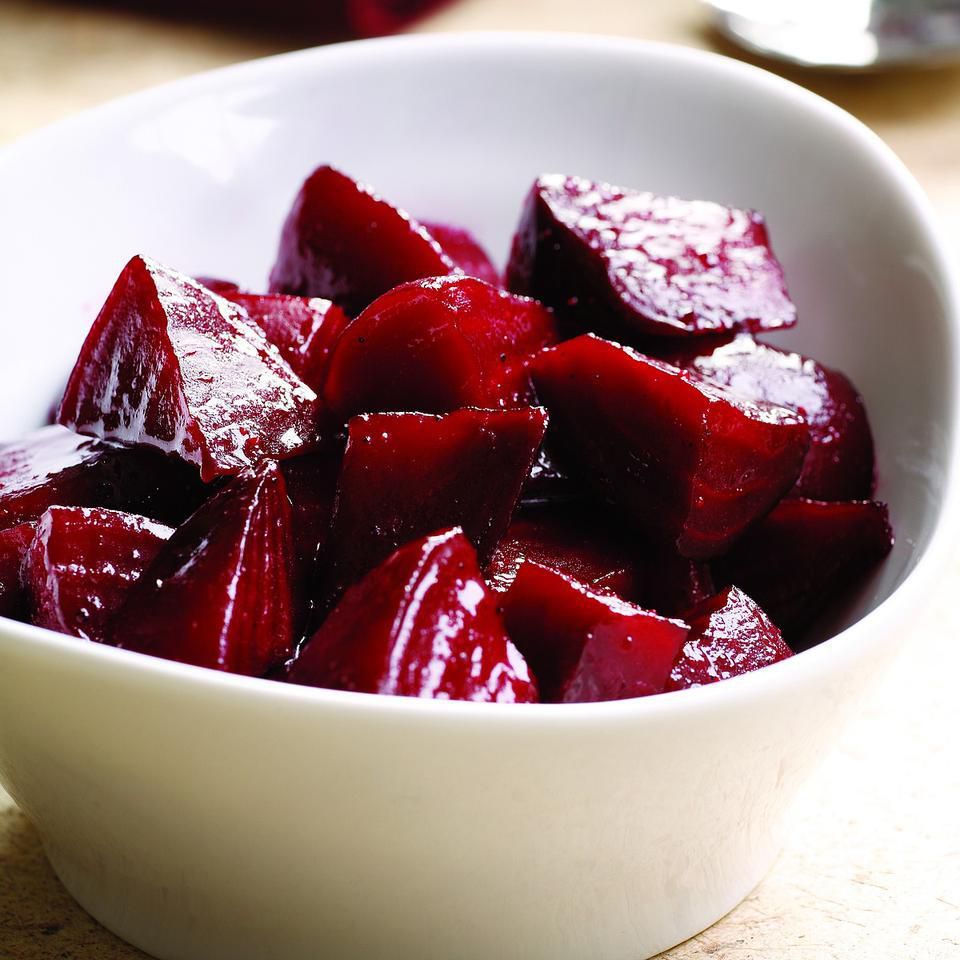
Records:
x=866, y=873
x=57, y=57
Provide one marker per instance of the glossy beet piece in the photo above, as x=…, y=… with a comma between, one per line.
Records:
x=729, y=635
x=682, y=459
x=303, y=329
x=407, y=474
x=806, y=554
x=584, y=646
x=618, y=260
x=172, y=365
x=422, y=624
x=839, y=464
x=14, y=542
x=573, y=542
x=462, y=248
x=587, y=545
x=218, y=593
x=437, y=345
x=82, y=562
x=343, y=242
x=52, y=465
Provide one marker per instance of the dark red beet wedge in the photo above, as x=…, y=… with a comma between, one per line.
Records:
x=806, y=554
x=303, y=329
x=437, y=345
x=839, y=464
x=343, y=242
x=81, y=564
x=462, y=248
x=218, y=593
x=14, y=542
x=583, y=543
x=616, y=260
x=729, y=635
x=682, y=459
x=422, y=624
x=407, y=474
x=52, y=465
x=172, y=365
x=584, y=646
x=576, y=543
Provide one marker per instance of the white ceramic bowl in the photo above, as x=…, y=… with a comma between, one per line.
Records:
x=204, y=816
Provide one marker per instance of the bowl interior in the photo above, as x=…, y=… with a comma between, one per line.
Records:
x=200, y=175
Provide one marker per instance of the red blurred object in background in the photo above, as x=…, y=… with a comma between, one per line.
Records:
x=322, y=19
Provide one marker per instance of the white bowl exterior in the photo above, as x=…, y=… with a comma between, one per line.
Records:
x=203, y=816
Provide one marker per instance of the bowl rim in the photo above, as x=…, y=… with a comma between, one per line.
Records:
x=840, y=649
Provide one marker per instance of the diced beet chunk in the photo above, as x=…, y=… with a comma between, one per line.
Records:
x=407, y=474
x=839, y=464
x=172, y=365
x=303, y=329
x=576, y=543
x=585, y=543
x=52, y=465
x=806, y=554
x=462, y=248
x=218, y=593
x=682, y=459
x=729, y=635
x=14, y=542
x=82, y=562
x=436, y=345
x=584, y=646
x=620, y=261
x=343, y=242
x=422, y=624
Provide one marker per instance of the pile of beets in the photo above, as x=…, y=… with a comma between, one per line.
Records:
x=401, y=473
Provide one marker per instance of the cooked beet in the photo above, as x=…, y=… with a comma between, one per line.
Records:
x=422, y=624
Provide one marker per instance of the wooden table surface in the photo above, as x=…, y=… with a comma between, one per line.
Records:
x=872, y=867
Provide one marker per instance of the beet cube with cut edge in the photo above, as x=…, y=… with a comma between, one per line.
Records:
x=839, y=464
x=82, y=562
x=407, y=474
x=436, y=345
x=682, y=460
x=218, y=593
x=342, y=241
x=576, y=543
x=172, y=365
x=804, y=555
x=584, y=646
x=729, y=635
x=624, y=263
x=421, y=624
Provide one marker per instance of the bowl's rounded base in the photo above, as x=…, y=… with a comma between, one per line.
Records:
x=134, y=913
